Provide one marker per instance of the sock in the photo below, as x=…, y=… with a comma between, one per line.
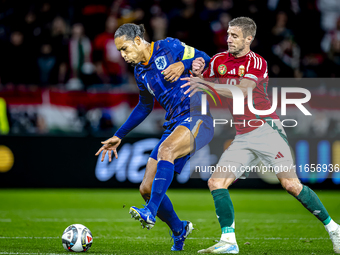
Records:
x=312, y=203
x=167, y=214
x=225, y=214
x=330, y=225
x=161, y=183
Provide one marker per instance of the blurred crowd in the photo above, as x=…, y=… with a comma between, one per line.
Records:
x=71, y=43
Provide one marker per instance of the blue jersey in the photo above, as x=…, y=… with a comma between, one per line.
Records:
x=152, y=84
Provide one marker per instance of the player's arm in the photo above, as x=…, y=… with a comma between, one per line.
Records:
x=196, y=84
x=256, y=72
x=197, y=67
x=139, y=113
x=185, y=55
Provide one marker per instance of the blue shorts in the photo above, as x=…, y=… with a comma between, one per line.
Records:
x=201, y=126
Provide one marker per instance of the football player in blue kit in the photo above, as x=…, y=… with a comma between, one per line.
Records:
x=158, y=67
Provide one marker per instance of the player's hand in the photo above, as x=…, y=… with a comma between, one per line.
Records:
x=108, y=146
x=173, y=72
x=194, y=83
x=198, y=66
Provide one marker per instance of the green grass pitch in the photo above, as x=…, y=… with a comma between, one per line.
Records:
x=268, y=222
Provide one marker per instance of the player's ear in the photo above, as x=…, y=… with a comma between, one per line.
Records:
x=137, y=40
x=249, y=39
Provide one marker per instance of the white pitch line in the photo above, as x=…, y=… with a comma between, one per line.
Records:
x=29, y=253
x=77, y=220
x=40, y=253
x=129, y=220
x=28, y=237
x=157, y=238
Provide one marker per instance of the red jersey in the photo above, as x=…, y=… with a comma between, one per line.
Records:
x=227, y=69
x=113, y=63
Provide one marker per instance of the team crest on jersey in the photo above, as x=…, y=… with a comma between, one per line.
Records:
x=241, y=70
x=160, y=63
x=222, y=69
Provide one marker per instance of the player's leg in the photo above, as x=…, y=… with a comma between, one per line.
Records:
x=190, y=135
x=306, y=197
x=309, y=199
x=166, y=211
x=275, y=151
x=172, y=155
x=230, y=167
x=177, y=145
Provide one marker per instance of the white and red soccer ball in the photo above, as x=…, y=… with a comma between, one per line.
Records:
x=77, y=238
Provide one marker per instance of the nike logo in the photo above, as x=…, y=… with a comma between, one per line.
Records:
x=148, y=220
x=143, y=76
x=156, y=179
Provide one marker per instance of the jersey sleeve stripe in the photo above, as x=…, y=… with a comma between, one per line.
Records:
x=257, y=61
x=254, y=61
x=248, y=64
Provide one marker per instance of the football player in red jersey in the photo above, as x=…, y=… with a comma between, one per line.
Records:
x=258, y=138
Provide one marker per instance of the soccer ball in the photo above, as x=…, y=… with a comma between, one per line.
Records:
x=77, y=238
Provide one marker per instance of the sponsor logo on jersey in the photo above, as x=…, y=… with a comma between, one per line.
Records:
x=222, y=69
x=279, y=155
x=160, y=63
x=232, y=71
x=241, y=70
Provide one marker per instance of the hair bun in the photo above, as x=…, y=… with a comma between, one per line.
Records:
x=142, y=28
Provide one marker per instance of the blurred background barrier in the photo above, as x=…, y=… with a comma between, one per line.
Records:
x=46, y=112
x=31, y=161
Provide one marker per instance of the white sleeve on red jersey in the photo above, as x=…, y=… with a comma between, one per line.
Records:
x=211, y=71
x=256, y=69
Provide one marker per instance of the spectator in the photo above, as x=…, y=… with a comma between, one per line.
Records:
x=31, y=29
x=46, y=64
x=286, y=52
x=280, y=30
x=186, y=25
x=312, y=64
x=80, y=51
x=331, y=45
x=18, y=65
x=289, y=54
x=159, y=25
x=60, y=33
x=220, y=29
x=330, y=12
x=93, y=15
x=110, y=66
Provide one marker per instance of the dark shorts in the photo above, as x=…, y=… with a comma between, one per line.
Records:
x=201, y=126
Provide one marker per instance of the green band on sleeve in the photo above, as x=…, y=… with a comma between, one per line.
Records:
x=328, y=220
